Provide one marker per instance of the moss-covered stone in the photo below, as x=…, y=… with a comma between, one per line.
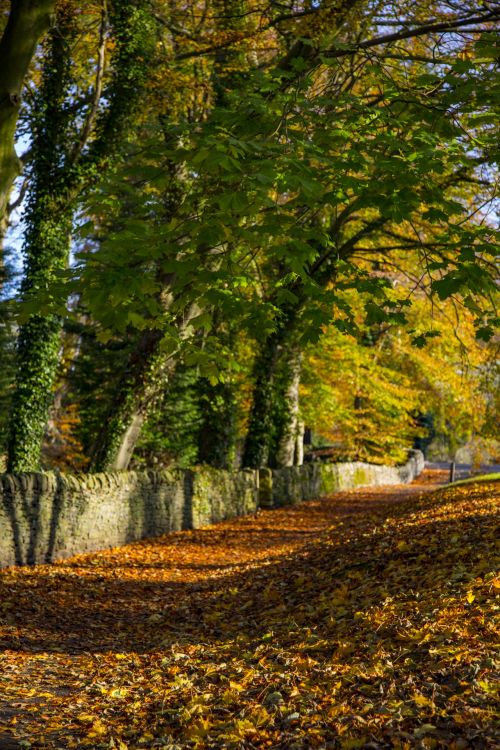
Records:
x=46, y=516
x=265, y=488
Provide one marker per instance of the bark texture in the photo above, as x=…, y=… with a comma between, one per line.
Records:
x=257, y=446
x=146, y=375
x=28, y=21
x=217, y=435
x=48, y=221
x=288, y=439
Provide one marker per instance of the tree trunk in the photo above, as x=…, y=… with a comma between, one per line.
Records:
x=273, y=423
x=37, y=362
x=28, y=21
x=258, y=442
x=128, y=442
x=146, y=375
x=59, y=176
x=299, y=444
x=48, y=220
x=289, y=427
x=217, y=435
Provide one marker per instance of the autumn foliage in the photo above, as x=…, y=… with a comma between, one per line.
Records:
x=363, y=620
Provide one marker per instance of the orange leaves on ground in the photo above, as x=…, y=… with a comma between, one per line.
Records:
x=365, y=620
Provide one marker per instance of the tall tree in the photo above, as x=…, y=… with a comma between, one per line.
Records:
x=317, y=144
x=230, y=76
x=67, y=157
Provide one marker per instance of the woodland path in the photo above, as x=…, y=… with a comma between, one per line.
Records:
x=365, y=619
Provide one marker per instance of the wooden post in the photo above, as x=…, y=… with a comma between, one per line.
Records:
x=452, y=472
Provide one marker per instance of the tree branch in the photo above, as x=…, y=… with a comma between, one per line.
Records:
x=94, y=107
x=412, y=33
x=28, y=21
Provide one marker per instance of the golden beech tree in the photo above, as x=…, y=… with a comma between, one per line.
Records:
x=367, y=394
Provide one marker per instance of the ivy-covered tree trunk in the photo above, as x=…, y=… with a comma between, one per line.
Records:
x=7, y=358
x=146, y=376
x=218, y=404
x=37, y=362
x=48, y=220
x=63, y=164
x=27, y=23
x=273, y=425
x=260, y=435
x=217, y=435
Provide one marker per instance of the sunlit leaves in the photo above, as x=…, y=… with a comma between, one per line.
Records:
x=366, y=382
x=311, y=625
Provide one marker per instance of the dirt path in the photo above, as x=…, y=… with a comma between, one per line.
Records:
x=281, y=629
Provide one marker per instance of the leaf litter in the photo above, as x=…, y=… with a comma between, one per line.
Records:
x=368, y=619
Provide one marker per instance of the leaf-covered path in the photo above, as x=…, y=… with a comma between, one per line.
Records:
x=363, y=620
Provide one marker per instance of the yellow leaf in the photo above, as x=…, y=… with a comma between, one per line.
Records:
x=243, y=727
x=344, y=649
x=229, y=696
x=353, y=743
x=421, y=700
x=85, y=717
x=97, y=729
x=118, y=693
x=117, y=744
x=198, y=730
x=470, y=597
x=259, y=716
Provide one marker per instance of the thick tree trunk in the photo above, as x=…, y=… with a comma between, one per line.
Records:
x=38, y=353
x=273, y=423
x=217, y=405
x=28, y=21
x=59, y=176
x=47, y=240
x=217, y=435
x=146, y=376
x=289, y=427
x=147, y=373
x=258, y=442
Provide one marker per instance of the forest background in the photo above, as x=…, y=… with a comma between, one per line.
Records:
x=242, y=219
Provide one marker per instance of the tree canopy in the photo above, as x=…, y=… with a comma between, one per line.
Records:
x=221, y=199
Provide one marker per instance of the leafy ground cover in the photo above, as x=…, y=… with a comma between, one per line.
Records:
x=364, y=620
x=479, y=478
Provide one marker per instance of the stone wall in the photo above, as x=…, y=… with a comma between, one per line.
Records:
x=45, y=517
x=291, y=485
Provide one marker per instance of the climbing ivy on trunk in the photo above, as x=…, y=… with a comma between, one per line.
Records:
x=66, y=160
x=46, y=247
